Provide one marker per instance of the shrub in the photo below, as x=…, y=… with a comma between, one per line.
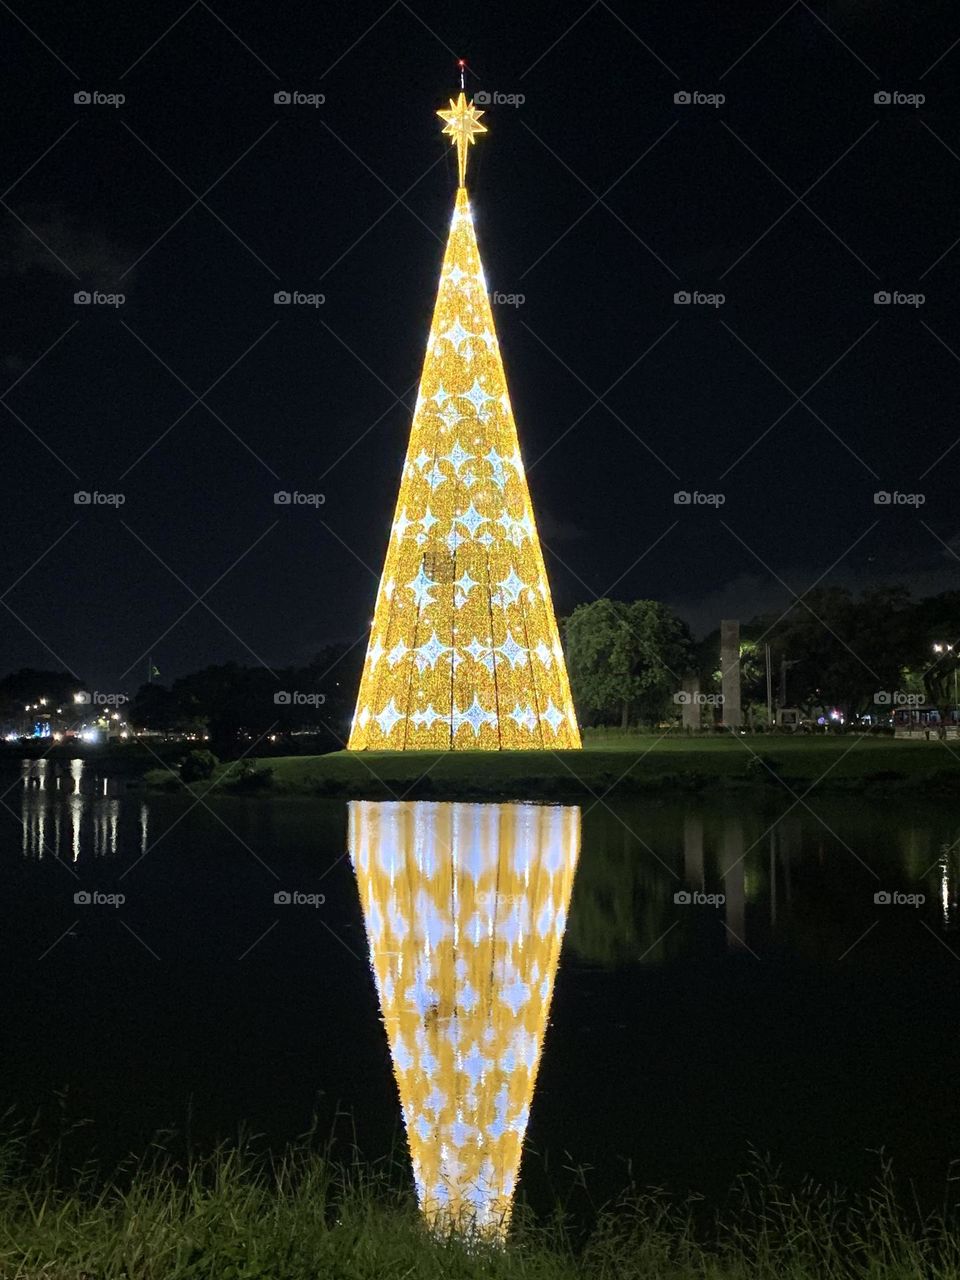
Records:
x=197, y=766
x=247, y=777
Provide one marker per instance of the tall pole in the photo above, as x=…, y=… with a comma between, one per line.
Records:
x=769, y=687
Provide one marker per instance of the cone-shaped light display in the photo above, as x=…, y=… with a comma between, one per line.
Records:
x=464, y=651
x=465, y=907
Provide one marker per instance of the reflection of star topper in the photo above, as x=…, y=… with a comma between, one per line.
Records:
x=462, y=124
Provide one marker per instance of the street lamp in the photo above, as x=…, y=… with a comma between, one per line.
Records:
x=948, y=648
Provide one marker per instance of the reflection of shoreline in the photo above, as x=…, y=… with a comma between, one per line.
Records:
x=465, y=908
x=66, y=811
x=749, y=879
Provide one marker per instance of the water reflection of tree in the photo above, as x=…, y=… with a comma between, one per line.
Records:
x=623, y=908
x=797, y=882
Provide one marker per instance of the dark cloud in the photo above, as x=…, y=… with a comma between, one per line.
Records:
x=52, y=241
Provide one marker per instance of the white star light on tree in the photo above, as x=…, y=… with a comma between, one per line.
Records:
x=375, y=654
x=457, y=334
x=457, y=456
x=421, y=586
x=472, y=520
x=474, y=716
x=514, y=653
x=524, y=717
x=464, y=585
x=480, y=653
x=401, y=525
x=553, y=717
x=514, y=529
x=427, y=718
x=397, y=653
x=477, y=396
x=496, y=464
x=544, y=654
x=510, y=587
x=435, y=477
x=428, y=653
x=428, y=521
x=388, y=718
x=450, y=415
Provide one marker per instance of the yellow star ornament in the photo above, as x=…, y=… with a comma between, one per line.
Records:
x=462, y=126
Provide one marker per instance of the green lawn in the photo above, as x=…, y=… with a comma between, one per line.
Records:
x=624, y=763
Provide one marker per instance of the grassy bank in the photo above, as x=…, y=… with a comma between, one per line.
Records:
x=612, y=765
x=234, y=1217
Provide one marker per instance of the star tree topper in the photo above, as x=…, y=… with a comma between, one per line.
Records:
x=462, y=126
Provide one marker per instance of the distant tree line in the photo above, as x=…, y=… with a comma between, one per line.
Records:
x=832, y=648
x=228, y=703
x=626, y=660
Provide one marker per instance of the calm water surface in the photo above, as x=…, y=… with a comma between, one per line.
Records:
x=721, y=978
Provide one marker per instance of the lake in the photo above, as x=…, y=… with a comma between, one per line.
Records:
x=646, y=990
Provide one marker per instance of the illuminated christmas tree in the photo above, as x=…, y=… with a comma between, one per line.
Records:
x=465, y=907
x=464, y=651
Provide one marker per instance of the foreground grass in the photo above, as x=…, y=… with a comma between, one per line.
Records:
x=612, y=764
x=235, y=1217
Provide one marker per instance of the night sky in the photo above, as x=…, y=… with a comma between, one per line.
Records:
x=597, y=199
